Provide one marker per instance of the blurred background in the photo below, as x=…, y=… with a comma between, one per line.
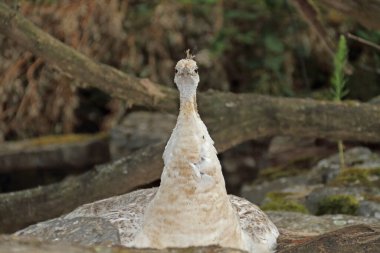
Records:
x=261, y=46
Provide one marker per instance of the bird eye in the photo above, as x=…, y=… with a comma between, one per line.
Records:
x=196, y=71
x=176, y=71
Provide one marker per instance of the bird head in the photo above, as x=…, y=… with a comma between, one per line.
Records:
x=186, y=76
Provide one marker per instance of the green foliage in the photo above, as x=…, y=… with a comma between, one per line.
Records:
x=338, y=82
x=278, y=202
x=338, y=204
x=250, y=36
x=338, y=79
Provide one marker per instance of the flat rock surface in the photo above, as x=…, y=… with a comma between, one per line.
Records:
x=90, y=231
x=12, y=244
x=352, y=239
x=83, y=230
x=306, y=223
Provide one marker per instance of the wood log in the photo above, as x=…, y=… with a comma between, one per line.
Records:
x=22, y=208
x=145, y=165
x=73, y=151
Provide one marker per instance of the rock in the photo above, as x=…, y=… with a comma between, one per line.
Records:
x=12, y=244
x=306, y=223
x=358, y=158
x=352, y=239
x=284, y=201
x=369, y=209
x=256, y=192
x=240, y=166
x=314, y=199
x=83, y=231
x=326, y=189
x=295, y=228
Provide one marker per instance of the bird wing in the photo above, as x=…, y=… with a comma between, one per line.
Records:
x=124, y=211
x=255, y=222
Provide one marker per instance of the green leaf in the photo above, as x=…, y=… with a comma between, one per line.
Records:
x=338, y=79
x=273, y=44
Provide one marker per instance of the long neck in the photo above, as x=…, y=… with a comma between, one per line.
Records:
x=188, y=105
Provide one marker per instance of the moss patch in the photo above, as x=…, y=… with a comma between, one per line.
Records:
x=278, y=202
x=355, y=176
x=338, y=204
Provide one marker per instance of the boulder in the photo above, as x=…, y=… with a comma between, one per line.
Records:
x=83, y=230
x=311, y=224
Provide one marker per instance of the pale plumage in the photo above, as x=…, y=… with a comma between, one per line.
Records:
x=191, y=206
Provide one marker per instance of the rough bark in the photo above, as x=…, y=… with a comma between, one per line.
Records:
x=364, y=11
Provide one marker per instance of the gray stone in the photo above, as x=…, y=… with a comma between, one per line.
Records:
x=369, y=209
x=306, y=223
x=313, y=199
x=256, y=192
x=358, y=157
x=83, y=231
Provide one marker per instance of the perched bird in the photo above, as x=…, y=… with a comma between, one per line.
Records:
x=191, y=206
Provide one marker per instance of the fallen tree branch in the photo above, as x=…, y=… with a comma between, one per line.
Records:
x=114, y=82
x=22, y=208
x=231, y=127
x=365, y=12
x=310, y=15
x=70, y=151
x=363, y=41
